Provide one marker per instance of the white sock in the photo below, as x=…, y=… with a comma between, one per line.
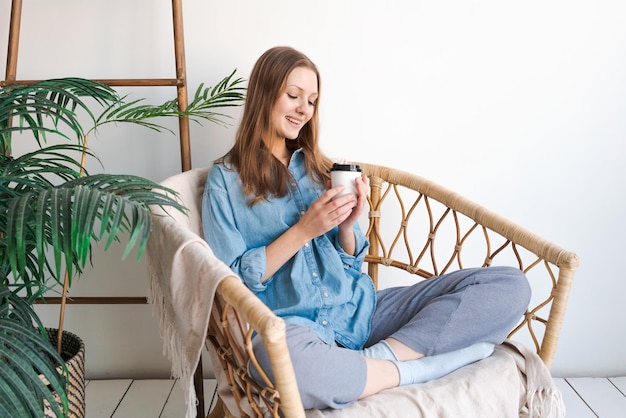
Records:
x=380, y=350
x=434, y=367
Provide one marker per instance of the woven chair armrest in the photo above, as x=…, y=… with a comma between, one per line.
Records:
x=483, y=216
x=272, y=330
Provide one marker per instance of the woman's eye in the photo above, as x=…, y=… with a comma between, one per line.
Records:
x=295, y=97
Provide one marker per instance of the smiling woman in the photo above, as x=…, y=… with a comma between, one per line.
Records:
x=260, y=151
x=297, y=245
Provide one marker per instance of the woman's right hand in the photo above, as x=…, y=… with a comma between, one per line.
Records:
x=326, y=213
x=323, y=215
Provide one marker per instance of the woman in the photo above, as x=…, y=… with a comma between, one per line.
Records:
x=269, y=214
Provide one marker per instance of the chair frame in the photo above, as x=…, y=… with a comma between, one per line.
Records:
x=237, y=312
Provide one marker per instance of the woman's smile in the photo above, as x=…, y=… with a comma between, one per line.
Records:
x=296, y=122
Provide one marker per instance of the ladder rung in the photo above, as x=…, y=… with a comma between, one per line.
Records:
x=129, y=82
x=96, y=300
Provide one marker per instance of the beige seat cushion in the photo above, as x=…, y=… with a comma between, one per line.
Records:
x=494, y=387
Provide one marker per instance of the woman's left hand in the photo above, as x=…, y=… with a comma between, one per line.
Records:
x=346, y=231
x=362, y=187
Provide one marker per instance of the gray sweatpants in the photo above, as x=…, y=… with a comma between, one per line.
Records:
x=432, y=316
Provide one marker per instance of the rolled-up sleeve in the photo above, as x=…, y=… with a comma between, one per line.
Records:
x=224, y=238
x=251, y=268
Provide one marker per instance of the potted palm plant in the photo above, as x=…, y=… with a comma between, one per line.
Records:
x=52, y=212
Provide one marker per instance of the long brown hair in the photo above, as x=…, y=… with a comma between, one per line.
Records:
x=262, y=174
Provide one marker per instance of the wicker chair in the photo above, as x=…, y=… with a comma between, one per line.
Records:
x=417, y=230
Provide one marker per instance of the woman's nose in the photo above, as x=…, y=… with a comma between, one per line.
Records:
x=300, y=108
x=303, y=107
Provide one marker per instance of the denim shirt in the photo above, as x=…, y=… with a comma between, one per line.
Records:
x=321, y=286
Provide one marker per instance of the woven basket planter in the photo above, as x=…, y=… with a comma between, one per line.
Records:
x=73, y=352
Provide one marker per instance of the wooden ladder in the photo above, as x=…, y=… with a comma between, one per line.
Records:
x=180, y=82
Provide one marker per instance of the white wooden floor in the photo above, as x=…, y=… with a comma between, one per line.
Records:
x=584, y=397
x=129, y=398
x=594, y=396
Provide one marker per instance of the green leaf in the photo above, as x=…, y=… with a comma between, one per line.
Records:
x=57, y=101
x=12, y=389
x=16, y=231
x=25, y=354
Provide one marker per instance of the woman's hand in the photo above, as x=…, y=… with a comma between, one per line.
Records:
x=326, y=212
x=346, y=231
x=323, y=215
x=362, y=187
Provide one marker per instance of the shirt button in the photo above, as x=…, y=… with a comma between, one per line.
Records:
x=325, y=294
x=314, y=274
x=324, y=322
x=302, y=212
x=306, y=245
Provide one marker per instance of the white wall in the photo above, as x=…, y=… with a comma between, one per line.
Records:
x=518, y=105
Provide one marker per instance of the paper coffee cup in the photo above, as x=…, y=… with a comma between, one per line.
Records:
x=344, y=175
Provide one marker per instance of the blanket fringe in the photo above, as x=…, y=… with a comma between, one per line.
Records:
x=179, y=362
x=546, y=403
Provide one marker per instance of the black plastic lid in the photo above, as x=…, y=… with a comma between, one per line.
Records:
x=345, y=167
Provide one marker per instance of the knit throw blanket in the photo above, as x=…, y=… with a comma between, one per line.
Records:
x=183, y=277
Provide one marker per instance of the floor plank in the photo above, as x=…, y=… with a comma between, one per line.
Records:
x=175, y=406
x=103, y=396
x=575, y=407
x=602, y=397
x=144, y=398
x=620, y=383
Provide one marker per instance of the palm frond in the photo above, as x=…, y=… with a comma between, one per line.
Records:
x=55, y=101
x=136, y=113
x=228, y=92
x=41, y=168
x=64, y=220
x=25, y=356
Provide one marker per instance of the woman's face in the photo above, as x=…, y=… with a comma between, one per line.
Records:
x=294, y=107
